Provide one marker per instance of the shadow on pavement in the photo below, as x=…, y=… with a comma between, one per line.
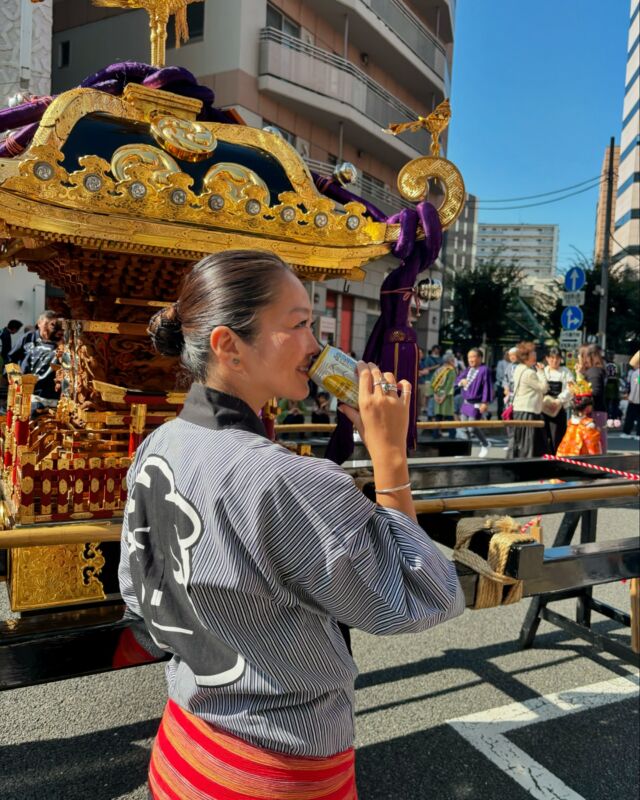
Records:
x=434, y=763
x=95, y=766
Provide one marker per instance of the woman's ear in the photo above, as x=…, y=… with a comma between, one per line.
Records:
x=224, y=345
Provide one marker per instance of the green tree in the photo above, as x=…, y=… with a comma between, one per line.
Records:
x=483, y=299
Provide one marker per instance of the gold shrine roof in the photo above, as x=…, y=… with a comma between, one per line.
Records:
x=138, y=174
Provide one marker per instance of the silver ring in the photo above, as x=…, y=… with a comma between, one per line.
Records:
x=387, y=388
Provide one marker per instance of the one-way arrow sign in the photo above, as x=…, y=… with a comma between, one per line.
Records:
x=575, y=279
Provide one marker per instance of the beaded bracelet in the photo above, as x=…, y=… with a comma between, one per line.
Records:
x=394, y=489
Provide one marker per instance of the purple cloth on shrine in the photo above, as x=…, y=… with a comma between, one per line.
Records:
x=480, y=390
x=24, y=119
x=330, y=188
x=392, y=344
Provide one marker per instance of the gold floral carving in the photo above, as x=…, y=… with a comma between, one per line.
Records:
x=56, y=575
x=143, y=203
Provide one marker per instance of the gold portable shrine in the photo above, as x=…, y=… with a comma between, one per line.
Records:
x=112, y=201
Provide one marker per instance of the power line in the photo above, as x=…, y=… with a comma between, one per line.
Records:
x=543, y=194
x=544, y=202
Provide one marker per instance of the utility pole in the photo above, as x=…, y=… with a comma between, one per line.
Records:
x=604, y=274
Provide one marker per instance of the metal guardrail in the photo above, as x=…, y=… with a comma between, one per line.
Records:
x=413, y=33
x=310, y=67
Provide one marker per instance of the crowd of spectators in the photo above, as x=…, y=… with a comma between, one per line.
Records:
x=527, y=388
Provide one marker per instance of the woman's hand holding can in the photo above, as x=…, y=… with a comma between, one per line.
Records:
x=383, y=421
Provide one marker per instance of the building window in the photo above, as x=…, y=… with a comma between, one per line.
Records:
x=276, y=19
x=64, y=54
x=195, y=21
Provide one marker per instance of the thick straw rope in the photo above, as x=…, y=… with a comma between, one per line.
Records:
x=630, y=476
x=491, y=577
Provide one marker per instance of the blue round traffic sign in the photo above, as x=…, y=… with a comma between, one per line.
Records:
x=575, y=279
x=572, y=318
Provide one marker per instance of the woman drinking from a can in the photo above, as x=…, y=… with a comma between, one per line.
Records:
x=243, y=557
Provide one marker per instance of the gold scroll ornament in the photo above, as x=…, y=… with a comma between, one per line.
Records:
x=184, y=139
x=414, y=177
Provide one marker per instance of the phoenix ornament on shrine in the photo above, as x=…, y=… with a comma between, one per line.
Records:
x=159, y=12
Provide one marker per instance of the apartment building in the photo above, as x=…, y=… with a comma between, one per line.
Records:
x=25, y=59
x=459, y=253
x=532, y=248
x=625, y=244
x=329, y=74
x=601, y=208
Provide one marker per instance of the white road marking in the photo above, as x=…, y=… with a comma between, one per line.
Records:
x=486, y=730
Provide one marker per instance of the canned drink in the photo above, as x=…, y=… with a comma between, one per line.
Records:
x=337, y=372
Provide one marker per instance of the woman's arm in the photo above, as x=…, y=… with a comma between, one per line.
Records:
x=371, y=568
x=542, y=383
x=382, y=422
x=565, y=393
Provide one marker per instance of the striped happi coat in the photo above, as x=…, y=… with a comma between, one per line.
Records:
x=241, y=557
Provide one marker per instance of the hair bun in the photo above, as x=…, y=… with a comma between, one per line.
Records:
x=165, y=330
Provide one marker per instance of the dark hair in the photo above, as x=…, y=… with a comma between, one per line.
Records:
x=582, y=403
x=554, y=351
x=524, y=350
x=228, y=288
x=14, y=325
x=589, y=355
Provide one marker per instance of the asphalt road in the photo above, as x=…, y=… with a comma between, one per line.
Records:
x=89, y=738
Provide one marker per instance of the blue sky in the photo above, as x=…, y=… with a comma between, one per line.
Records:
x=537, y=92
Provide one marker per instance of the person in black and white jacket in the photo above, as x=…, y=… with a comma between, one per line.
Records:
x=242, y=557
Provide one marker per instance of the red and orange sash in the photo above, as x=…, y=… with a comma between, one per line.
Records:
x=191, y=760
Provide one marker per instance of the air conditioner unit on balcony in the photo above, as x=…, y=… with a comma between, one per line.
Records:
x=303, y=147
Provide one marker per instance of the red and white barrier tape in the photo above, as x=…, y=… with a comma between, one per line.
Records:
x=630, y=476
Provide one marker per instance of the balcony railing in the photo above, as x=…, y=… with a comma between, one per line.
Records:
x=413, y=33
x=385, y=200
x=290, y=59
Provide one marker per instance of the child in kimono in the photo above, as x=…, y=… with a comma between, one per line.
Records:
x=582, y=437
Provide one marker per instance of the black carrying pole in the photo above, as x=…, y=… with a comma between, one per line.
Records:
x=604, y=274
